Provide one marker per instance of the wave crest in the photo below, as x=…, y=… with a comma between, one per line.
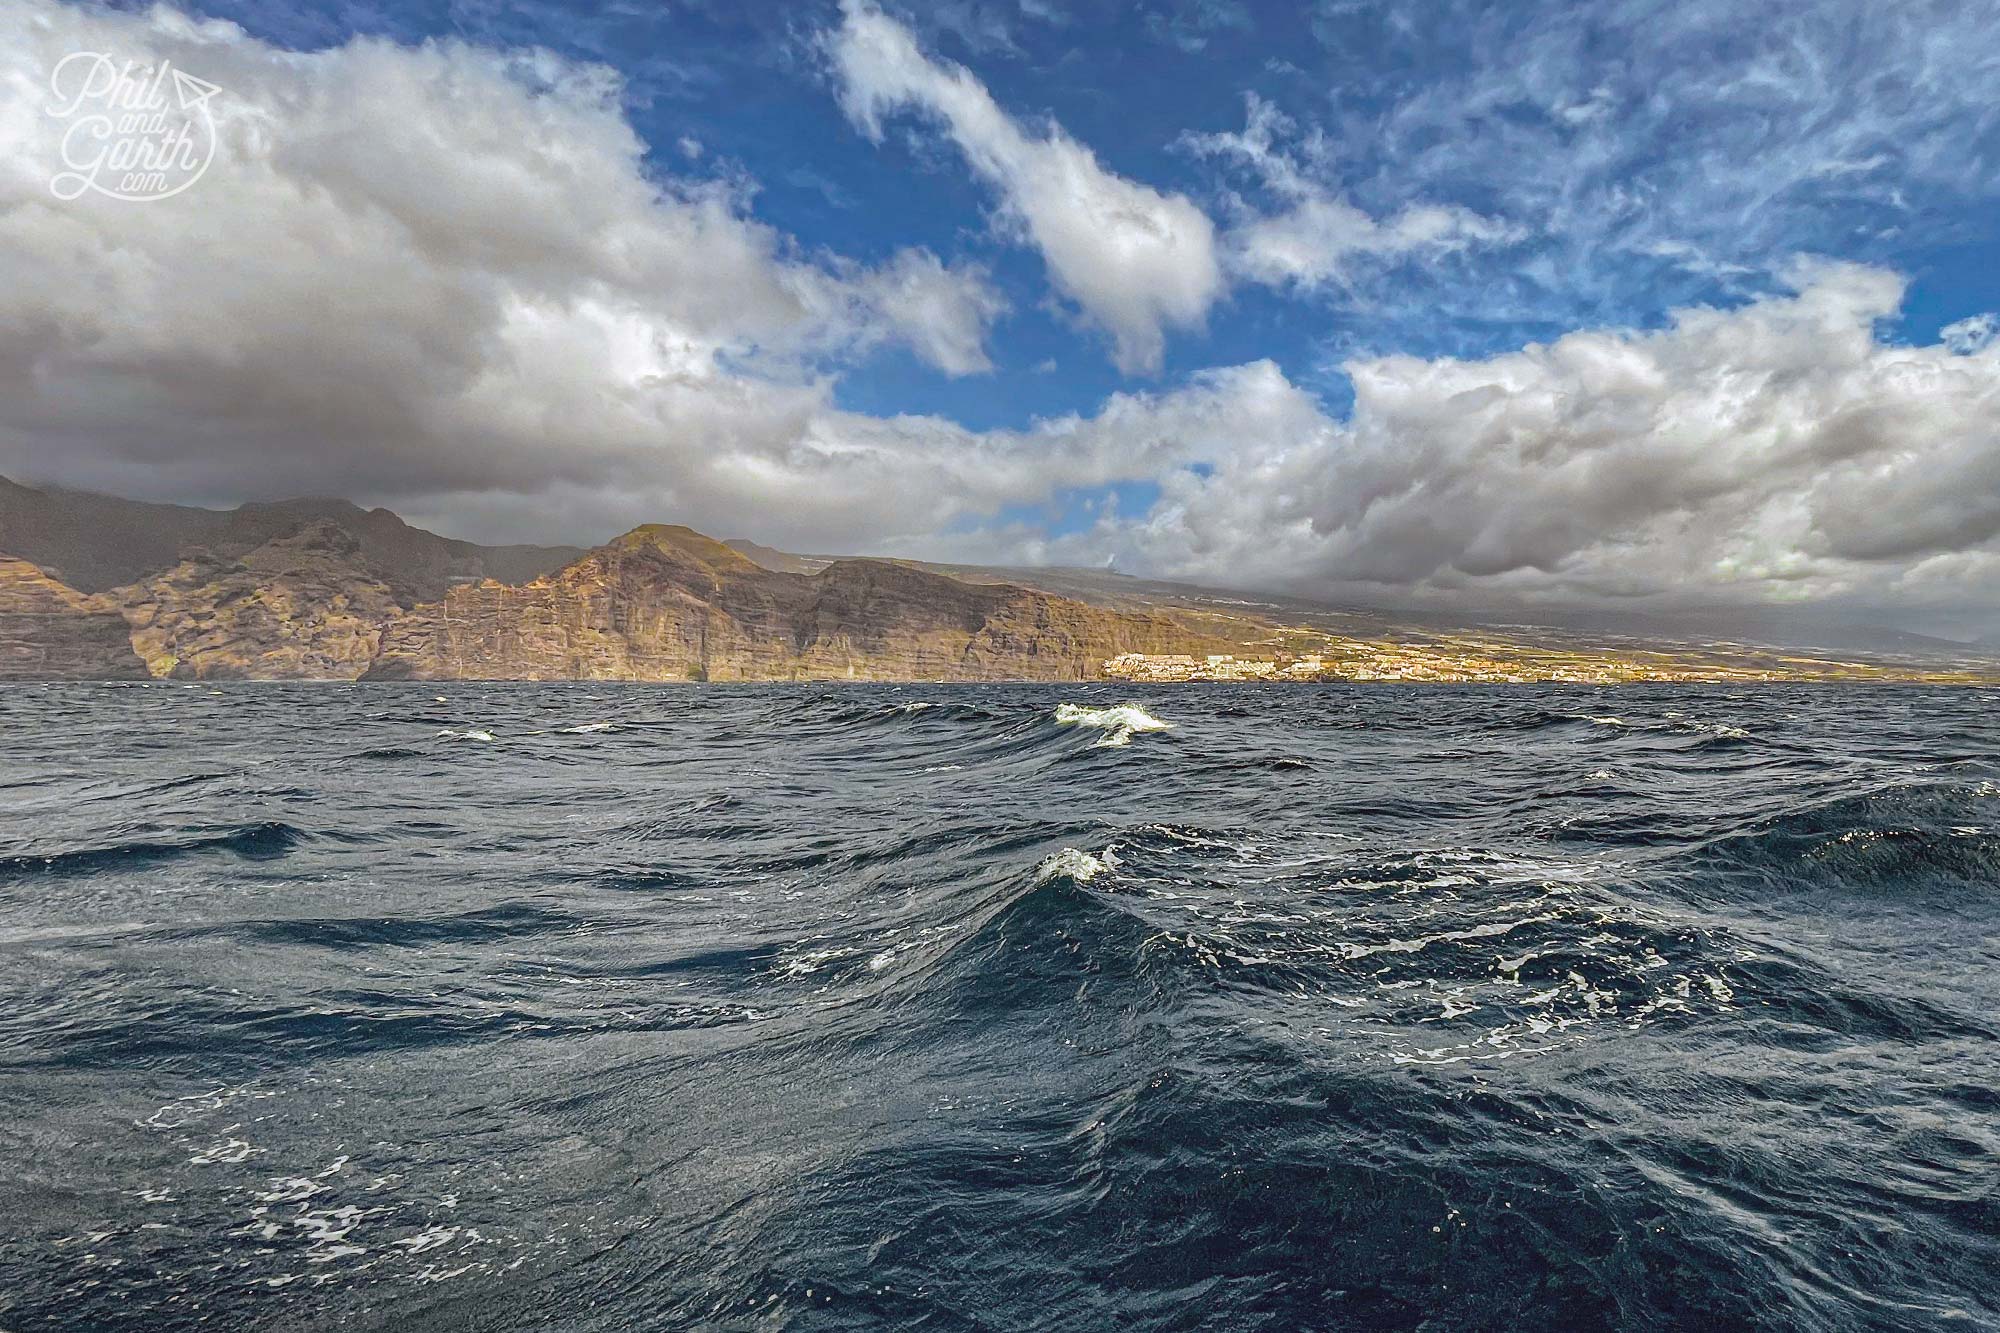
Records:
x=1080, y=866
x=1119, y=723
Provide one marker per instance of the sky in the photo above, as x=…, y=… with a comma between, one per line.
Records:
x=1443, y=303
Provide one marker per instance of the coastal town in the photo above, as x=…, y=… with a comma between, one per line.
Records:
x=1487, y=662
x=1399, y=662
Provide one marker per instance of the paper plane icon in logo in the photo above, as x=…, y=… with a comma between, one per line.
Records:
x=193, y=92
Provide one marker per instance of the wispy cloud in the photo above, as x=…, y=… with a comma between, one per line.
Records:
x=1971, y=335
x=1192, y=24
x=1311, y=238
x=1658, y=149
x=1136, y=261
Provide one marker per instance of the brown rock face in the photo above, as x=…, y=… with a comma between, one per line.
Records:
x=50, y=631
x=660, y=603
x=301, y=607
x=665, y=603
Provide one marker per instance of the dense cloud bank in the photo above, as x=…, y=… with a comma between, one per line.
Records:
x=1779, y=451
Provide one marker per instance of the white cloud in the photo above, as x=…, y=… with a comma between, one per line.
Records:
x=1679, y=132
x=1971, y=335
x=443, y=276
x=941, y=313
x=1314, y=238
x=1777, y=451
x=1134, y=260
x=1312, y=243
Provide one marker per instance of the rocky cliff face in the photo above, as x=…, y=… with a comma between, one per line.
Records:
x=50, y=631
x=301, y=607
x=660, y=603
x=664, y=603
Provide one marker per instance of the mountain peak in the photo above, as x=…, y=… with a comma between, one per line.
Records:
x=685, y=543
x=98, y=542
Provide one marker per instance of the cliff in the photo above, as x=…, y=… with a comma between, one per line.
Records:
x=50, y=631
x=665, y=603
x=313, y=598
x=660, y=603
x=322, y=589
x=306, y=606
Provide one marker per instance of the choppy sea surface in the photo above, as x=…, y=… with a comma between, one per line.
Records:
x=589, y=1007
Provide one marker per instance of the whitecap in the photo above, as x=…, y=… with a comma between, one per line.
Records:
x=449, y=735
x=1069, y=863
x=587, y=728
x=1119, y=723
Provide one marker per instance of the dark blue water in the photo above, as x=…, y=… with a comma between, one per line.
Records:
x=612, y=1008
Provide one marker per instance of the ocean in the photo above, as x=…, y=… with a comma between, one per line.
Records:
x=600, y=1007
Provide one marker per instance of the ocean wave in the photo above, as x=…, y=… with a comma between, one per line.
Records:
x=260, y=841
x=1673, y=724
x=1907, y=837
x=1119, y=722
x=844, y=714
x=1466, y=1024
x=1273, y=763
x=1081, y=866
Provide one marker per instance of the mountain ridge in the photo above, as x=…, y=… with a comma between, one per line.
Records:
x=94, y=543
x=323, y=589
x=663, y=602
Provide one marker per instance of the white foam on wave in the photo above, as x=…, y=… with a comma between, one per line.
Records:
x=587, y=728
x=1069, y=863
x=449, y=735
x=1677, y=722
x=1119, y=723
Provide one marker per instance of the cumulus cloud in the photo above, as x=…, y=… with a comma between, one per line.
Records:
x=442, y=275
x=1135, y=261
x=1777, y=451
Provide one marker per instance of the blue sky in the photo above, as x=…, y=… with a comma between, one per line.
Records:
x=1835, y=149
x=1354, y=297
